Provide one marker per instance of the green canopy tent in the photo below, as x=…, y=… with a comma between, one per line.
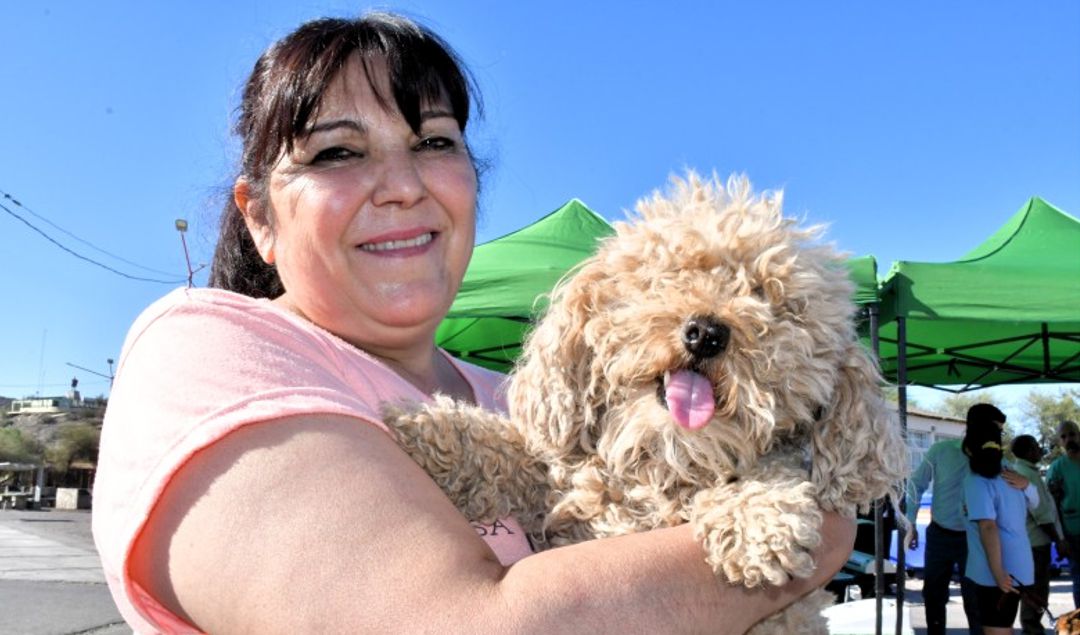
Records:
x=863, y=273
x=505, y=286
x=1007, y=312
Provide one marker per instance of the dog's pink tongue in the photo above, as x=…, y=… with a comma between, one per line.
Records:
x=690, y=399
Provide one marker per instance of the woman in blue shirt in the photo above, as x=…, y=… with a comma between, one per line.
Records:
x=999, y=554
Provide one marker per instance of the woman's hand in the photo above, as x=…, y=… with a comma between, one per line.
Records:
x=913, y=537
x=1014, y=479
x=1004, y=582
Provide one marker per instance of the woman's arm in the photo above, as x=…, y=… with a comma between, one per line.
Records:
x=991, y=542
x=322, y=523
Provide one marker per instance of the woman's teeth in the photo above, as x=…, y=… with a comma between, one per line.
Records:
x=422, y=239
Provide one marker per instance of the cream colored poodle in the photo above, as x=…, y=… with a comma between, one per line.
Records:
x=702, y=367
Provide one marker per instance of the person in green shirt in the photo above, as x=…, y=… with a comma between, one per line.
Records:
x=1063, y=481
x=1042, y=530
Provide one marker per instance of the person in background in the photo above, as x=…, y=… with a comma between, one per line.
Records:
x=945, y=466
x=1063, y=481
x=999, y=561
x=246, y=482
x=1043, y=529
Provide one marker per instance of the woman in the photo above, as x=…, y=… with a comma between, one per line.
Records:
x=353, y=223
x=999, y=554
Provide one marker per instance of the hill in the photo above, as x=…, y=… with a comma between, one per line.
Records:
x=59, y=440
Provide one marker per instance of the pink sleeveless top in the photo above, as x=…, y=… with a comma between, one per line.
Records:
x=197, y=365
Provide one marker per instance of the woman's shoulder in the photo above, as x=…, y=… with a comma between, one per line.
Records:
x=197, y=300
x=195, y=316
x=208, y=339
x=981, y=482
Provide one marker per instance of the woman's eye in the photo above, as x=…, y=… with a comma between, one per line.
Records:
x=336, y=153
x=436, y=143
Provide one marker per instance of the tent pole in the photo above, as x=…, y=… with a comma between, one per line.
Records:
x=901, y=408
x=879, y=524
x=1046, y=348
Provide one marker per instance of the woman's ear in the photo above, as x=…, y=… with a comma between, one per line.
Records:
x=258, y=224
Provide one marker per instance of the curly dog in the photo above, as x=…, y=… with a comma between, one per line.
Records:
x=702, y=367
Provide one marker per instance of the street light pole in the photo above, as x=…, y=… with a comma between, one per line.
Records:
x=181, y=226
x=94, y=372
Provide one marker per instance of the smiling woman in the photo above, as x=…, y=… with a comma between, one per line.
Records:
x=246, y=482
x=370, y=223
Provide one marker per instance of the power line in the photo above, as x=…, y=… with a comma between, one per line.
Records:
x=91, y=382
x=85, y=242
x=82, y=257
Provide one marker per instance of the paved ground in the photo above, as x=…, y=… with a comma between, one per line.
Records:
x=50, y=577
x=51, y=582
x=1060, y=602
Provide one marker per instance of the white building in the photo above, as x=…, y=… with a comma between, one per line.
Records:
x=50, y=405
x=926, y=428
x=42, y=405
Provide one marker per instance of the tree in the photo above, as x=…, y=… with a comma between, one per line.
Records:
x=78, y=442
x=956, y=405
x=892, y=395
x=1048, y=410
x=16, y=448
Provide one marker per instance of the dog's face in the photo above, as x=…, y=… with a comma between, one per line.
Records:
x=711, y=322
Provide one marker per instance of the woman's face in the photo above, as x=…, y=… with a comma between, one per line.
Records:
x=373, y=225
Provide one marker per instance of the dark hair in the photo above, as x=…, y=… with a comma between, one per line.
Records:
x=284, y=92
x=1024, y=445
x=982, y=440
x=984, y=413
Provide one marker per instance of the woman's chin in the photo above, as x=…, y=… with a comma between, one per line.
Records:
x=408, y=317
x=409, y=306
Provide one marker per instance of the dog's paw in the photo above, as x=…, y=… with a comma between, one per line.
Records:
x=758, y=532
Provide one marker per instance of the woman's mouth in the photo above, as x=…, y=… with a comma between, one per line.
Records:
x=393, y=245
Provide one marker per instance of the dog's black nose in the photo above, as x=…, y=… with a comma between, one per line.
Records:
x=704, y=337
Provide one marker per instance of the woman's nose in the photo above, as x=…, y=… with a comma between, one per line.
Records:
x=399, y=181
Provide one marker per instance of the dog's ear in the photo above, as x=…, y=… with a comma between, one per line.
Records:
x=859, y=454
x=553, y=386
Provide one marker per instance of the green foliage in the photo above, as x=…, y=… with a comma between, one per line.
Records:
x=892, y=395
x=1048, y=410
x=16, y=448
x=957, y=405
x=75, y=443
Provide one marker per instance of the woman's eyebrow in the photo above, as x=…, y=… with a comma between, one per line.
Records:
x=334, y=124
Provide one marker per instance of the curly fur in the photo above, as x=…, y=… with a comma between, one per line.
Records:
x=792, y=384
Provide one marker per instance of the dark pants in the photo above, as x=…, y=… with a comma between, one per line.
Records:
x=1030, y=616
x=945, y=551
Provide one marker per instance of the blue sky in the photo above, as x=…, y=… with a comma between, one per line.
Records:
x=914, y=129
